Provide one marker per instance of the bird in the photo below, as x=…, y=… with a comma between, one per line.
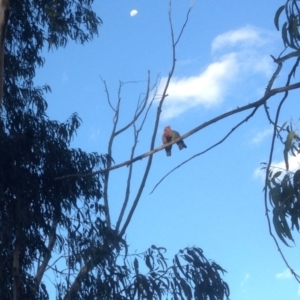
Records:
x=171, y=135
x=166, y=138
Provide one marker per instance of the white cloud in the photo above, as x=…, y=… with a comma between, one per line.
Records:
x=245, y=37
x=286, y=274
x=210, y=87
x=260, y=136
x=205, y=89
x=294, y=164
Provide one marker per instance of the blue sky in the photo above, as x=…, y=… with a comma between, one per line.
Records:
x=223, y=61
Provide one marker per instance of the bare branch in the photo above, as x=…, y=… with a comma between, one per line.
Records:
x=128, y=185
x=275, y=126
x=270, y=84
x=115, y=132
x=136, y=134
x=288, y=56
x=137, y=115
x=208, y=149
x=274, y=76
x=43, y=266
x=107, y=95
x=200, y=127
x=159, y=109
x=76, y=284
x=185, y=23
x=109, y=152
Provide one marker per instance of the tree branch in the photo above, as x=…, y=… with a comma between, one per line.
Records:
x=208, y=149
x=200, y=127
x=287, y=56
x=185, y=23
x=270, y=84
x=43, y=266
x=275, y=125
x=16, y=270
x=109, y=152
x=159, y=109
x=115, y=132
x=107, y=95
x=136, y=135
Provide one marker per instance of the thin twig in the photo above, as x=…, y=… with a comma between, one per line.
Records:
x=288, y=56
x=138, y=112
x=43, y=266
x=137, y=115
x=267, y=173
x=208, y=149
x=274, y=76
x=185, y=23
x=159, y=109
x=203, y=125
x=107, y=95
x=270, y=84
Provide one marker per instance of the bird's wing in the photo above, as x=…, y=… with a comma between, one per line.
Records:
x=175, y=134
x=165, y=139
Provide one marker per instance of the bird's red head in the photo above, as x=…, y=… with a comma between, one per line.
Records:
x=167, y=131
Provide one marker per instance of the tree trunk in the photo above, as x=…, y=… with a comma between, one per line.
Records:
x=16, y=289
x=4, y=14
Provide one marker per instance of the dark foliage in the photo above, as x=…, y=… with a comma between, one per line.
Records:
x=290, y=28
x=42, y=218
x=34, y=25
x=34, y=150
x=148, y=276
x=284, y=191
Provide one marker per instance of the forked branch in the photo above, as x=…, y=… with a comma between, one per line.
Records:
x=42, y=268
x=252, y=105
x=154, y=134
x=208, y=149
x=275, y=130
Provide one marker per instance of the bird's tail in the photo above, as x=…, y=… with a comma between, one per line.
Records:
x=168, y=151
x=181, y=145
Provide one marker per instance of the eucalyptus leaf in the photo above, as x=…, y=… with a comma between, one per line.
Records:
x=277, y=15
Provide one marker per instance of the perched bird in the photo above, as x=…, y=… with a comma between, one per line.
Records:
x=170, y=135
x=166, y=138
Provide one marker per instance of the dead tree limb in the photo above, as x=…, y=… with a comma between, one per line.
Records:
x=257, y=103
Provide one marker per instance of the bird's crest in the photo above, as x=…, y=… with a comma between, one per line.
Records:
x=167, y=130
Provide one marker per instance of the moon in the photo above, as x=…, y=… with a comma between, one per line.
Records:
x=133, y=12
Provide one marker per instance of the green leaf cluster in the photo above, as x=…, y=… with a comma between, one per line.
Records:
x=191, y=276
x=34, y=150
x=290, y=28
x=41, y=217
x=284, y=187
